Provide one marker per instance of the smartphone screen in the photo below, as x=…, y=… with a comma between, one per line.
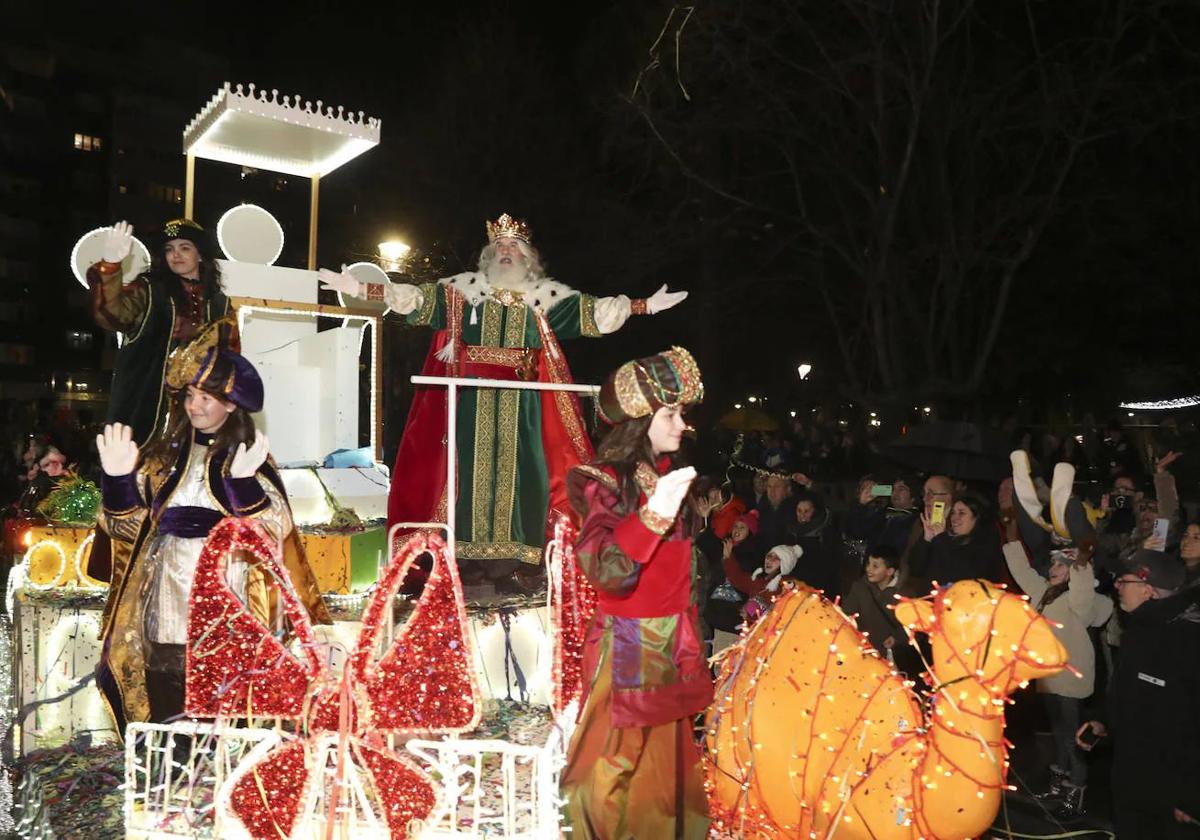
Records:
x=938, y=515
x=1157, y=541
x=880, y=490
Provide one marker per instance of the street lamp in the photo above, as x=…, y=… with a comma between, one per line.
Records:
x=392, y=254
x=804, y=370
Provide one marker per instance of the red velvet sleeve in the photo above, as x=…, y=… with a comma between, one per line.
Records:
x=612, y=546
x=741, y=580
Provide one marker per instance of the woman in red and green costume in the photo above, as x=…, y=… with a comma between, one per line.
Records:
x=633, y=768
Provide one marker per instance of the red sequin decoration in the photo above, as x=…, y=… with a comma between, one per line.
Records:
x=423, y=684
x=573, y=603
x=406, y=791
x=267, y=799
x=235, y=668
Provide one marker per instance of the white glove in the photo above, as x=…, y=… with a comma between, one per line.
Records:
x=118, y=242
x=343, y=282
x=669, y=492
x=118, y=452
x=245, y=461
x=663, y=300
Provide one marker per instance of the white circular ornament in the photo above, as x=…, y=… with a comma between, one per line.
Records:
x=89, y=250
x=364, y=272
x=248, y=233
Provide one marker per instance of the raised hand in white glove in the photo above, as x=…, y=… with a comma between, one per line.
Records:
x=246, y=461
x=663, y=300
x=343, y=282
x=118, y=242
x=118, y=452
x=669, y=492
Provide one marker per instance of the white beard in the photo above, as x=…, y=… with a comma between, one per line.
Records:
x=514, y=277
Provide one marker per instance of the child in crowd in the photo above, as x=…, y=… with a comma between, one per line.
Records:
x=870, y=600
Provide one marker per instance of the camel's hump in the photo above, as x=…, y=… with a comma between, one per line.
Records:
x=804, y=677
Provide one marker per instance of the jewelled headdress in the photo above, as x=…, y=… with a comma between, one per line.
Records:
x=641, y=387
x=209, y=361
x=506, y=225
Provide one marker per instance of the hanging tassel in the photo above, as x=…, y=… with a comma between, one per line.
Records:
x=510, y=655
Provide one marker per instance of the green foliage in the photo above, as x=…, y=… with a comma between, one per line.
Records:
x=73, y=500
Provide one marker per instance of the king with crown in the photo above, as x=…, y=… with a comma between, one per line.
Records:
x=502, y=321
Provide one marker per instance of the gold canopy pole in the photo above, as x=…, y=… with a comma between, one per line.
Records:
x=313, y=209
x=189, y=186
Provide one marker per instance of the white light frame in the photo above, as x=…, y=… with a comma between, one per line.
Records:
x=1163, y=405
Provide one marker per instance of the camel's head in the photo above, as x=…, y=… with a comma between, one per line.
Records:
x=981, y=632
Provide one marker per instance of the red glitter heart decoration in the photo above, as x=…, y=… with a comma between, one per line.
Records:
x=235, y=666
x=406, y=791
x=267, y=799
x=424, y=682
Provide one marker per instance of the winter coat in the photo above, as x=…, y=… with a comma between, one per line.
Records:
x=774, y=524
x=1077, y=609
x=870, y=604
x=723, y=606
x=948, y=559
x=818, y=566
x=1153, y=704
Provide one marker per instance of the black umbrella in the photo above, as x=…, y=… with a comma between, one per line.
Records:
x=964, y=451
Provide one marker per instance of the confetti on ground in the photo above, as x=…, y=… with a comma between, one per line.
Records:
x=81, y=784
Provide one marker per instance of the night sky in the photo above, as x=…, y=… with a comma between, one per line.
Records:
x=490, y=107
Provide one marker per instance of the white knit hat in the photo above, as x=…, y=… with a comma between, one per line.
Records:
x=788, y=556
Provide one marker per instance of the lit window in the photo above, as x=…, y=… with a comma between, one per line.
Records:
x=87, y=143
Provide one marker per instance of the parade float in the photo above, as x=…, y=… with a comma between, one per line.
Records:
x=490, y=768
x=439, y=715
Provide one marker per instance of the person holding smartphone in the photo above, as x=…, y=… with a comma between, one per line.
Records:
x=958, y=547
x=1152, y=716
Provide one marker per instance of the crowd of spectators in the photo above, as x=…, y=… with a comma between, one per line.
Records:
x=823, y=503
x=1123, y=600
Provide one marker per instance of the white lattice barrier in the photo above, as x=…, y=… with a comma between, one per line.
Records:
x=174, y=771
x=178, y=779
x=495, y=788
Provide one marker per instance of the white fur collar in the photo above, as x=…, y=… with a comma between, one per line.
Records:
x=541, y=294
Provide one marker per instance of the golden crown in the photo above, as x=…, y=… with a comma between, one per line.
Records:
x=506, y=225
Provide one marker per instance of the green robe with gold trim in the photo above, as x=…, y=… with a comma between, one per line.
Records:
x=514, y=446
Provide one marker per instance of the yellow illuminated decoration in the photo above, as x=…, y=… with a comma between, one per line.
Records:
x=811, y=733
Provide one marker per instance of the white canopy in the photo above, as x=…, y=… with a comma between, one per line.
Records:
x=254, y=128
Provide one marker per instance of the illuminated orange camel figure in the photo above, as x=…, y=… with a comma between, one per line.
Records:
x=812, y=734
